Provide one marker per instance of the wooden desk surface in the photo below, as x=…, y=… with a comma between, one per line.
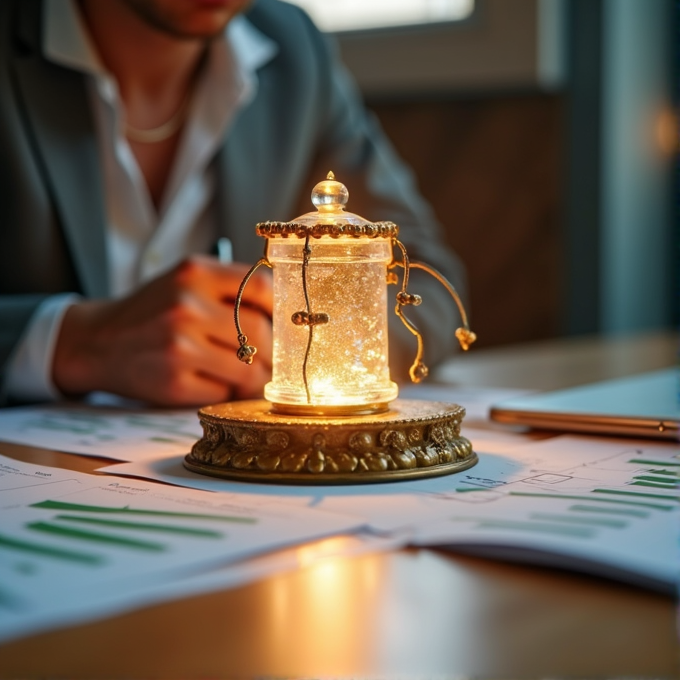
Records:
x=407, y=612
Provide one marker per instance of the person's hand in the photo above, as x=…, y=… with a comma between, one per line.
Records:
x=172, y=342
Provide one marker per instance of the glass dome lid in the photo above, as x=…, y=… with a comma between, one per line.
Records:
x=329, y=219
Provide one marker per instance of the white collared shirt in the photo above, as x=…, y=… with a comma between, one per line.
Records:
x=142, y=241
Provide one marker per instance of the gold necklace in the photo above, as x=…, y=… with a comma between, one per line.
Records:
x=160, y=132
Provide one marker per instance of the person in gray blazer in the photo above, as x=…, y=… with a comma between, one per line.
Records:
x=134, y=134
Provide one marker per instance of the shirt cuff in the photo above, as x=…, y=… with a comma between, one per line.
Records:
x=29, y=375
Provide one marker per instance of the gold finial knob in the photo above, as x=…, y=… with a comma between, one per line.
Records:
x=330, y=195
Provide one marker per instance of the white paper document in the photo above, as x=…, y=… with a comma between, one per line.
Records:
x=605, y=506
x=598, y=473
x=73, y=543
x=113, y=428
x=633, y=542
x=103, y=431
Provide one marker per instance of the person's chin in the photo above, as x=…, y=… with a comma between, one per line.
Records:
x=201, y=27
x=228, y=6
x=211, y=16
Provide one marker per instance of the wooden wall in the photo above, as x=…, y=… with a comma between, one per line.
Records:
x=492, y=169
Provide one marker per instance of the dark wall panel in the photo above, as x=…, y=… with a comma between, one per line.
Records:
x=492, y=169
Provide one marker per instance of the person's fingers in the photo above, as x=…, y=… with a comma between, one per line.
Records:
x=197, y=317
x=258, y=294
x=208, y=277
x=191, y=388
x=197, y=347
x=197, y=337
x=222, y=364
x=173, y=342
x=255, y=326
x=173, y=374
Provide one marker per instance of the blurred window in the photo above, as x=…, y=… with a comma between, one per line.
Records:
x=405, y=47
x=337, y=16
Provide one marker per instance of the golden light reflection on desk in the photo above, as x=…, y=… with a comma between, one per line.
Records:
x=323, y=598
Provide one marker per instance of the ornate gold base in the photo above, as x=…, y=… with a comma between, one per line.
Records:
x=244, y=440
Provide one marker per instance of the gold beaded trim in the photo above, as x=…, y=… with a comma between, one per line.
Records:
x=335, y=230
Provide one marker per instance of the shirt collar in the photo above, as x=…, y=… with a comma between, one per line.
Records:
x=67, y=42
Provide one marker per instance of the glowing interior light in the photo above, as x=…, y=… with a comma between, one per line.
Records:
x=347, y=361
x=341, y=359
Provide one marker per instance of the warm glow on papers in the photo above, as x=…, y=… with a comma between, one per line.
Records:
x=74, y=545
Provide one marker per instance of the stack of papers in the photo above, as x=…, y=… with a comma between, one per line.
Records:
x=76, y=546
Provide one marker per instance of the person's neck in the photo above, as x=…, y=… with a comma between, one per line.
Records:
x=148, y=64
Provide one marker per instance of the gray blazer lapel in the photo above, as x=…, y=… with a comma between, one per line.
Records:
x=259, y=172
x=242, y=198
x=57, y=111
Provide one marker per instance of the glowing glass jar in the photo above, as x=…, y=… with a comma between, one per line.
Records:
x=330, y=351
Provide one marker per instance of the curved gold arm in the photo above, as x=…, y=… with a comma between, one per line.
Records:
x=418, y=370
x=246, y=352
x=465, y=336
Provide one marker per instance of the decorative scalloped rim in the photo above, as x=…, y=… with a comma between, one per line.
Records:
x=334, y=479
x=335, y=230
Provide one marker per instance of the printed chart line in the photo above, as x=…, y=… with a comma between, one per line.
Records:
x=591, y=521
x=536, y=527
x=95, y=537
x=663, y=463
x=642, y=504
x=654, y=485
x=635, y=494
x=9, y=543
x=142, y=526
x=627, y=512
x=659, y=479
x=77, y=507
